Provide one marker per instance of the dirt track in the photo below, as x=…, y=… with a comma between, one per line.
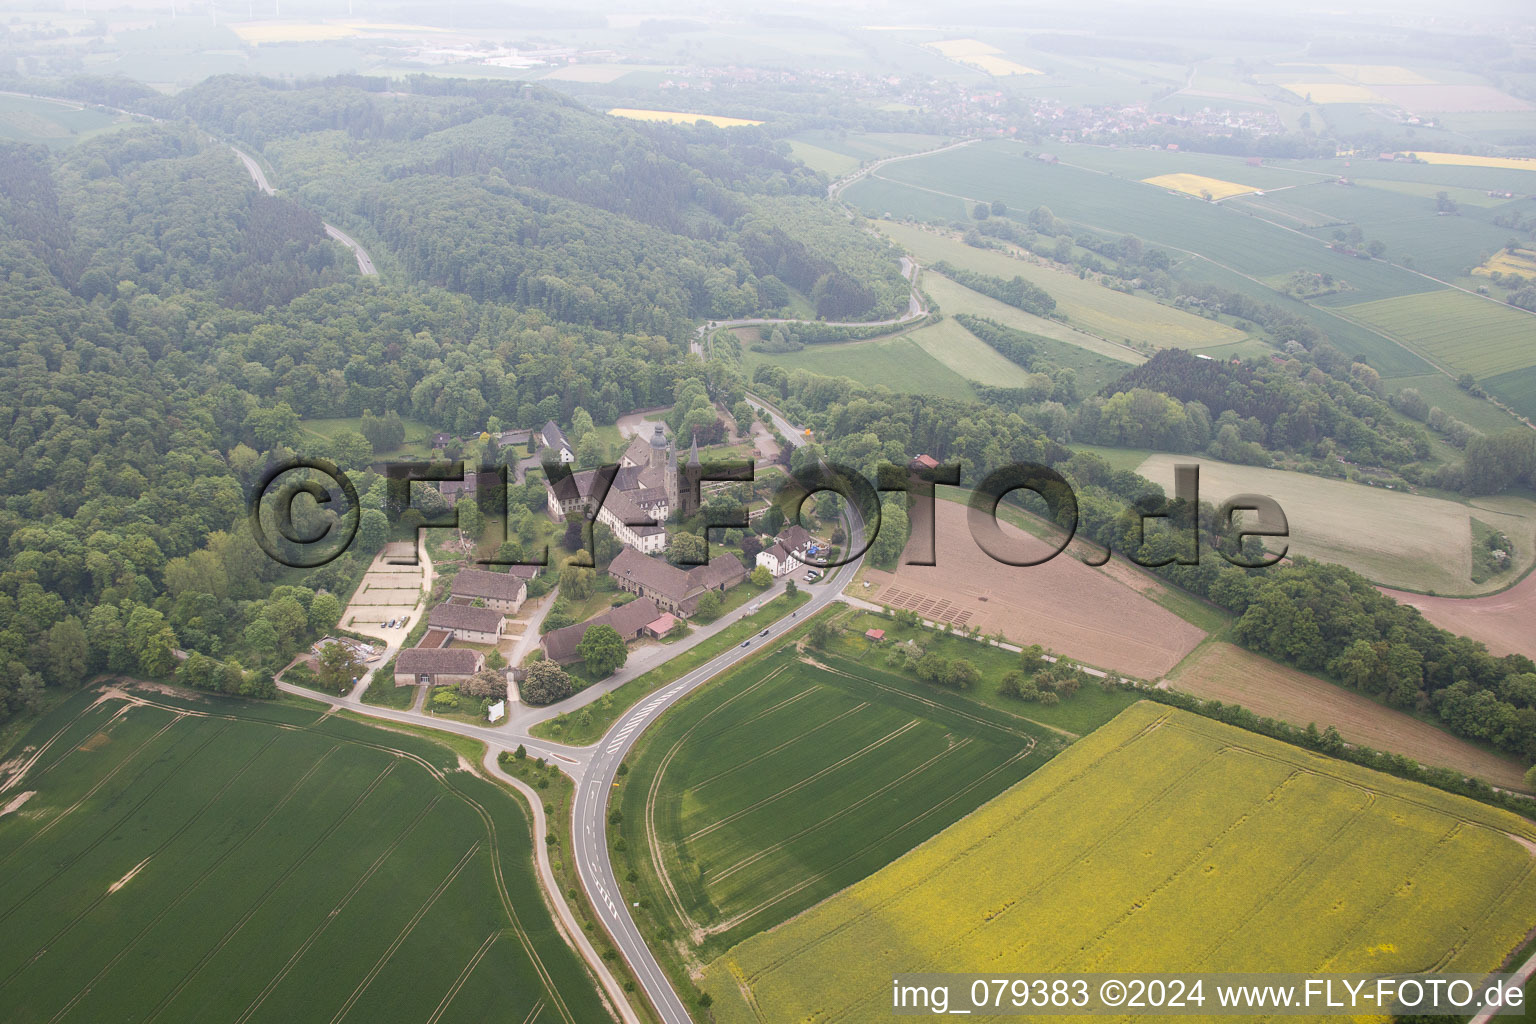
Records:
x=1505, y=622
x=1062, y=605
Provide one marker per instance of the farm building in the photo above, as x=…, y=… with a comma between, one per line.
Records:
x=499, y=590
x=468, y=623
x=674, y=590
x=661, y=626
x=630, y=621
x=436, y=666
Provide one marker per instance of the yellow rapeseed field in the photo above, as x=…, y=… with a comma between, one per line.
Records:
x=1515, y=163
x=680, y=117
x=982, y=56
x=1200, y=185
x=1161, y=842
x=1335, y=92
x=1521, y=261
x=963, y=47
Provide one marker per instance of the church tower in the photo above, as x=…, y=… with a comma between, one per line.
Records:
x=691, y=497
x=659, y=447
x=669, y=468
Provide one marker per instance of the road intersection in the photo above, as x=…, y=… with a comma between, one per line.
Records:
x=594, y=768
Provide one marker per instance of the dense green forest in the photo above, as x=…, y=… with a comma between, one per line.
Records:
x=513, y=193
x=152, y=372
x=1243, y=410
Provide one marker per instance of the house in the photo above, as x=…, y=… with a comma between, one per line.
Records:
x=1048, y=158
x=499, y=590
x=788, y=551
x=674, y=590
x=924, y=462
x=875, y=634
x=777, y=559
x=628, y=620
x=553, y=438
x=440, y=439
x=436, y=666
x=524, y=572
x=646, y=490
x=1255, y=161
x=468, y=623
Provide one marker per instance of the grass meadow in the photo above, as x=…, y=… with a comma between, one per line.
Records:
x=1409, y=541
x=1164, y=841
x=184, y=858
x=54, y=123
x=897, y=362
x=1087, y=304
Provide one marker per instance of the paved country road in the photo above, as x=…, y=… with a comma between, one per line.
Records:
x=589, y=843
x=364, y=261
x=594, y=768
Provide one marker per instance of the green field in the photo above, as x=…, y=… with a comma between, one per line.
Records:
x=1445, y=247
x=1462, y=332
x=865, y=146
x=1438, y=389
x=969, y=356
x=53, y=123
x=1142, y=162
x=1163, y=842
x=1006, y=172
x=1517, y=389
x=897, y=362
x=1087, y=353
x=1087, y=304
x=205, y=859
x=1409, y=541
x=793, y=777
x=819, y=158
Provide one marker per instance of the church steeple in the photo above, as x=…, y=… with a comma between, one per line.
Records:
x=690, y=496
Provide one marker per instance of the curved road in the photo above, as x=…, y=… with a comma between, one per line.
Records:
x=364, y=261
x=916, y=309
x=589, y=842
x=594, y=768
